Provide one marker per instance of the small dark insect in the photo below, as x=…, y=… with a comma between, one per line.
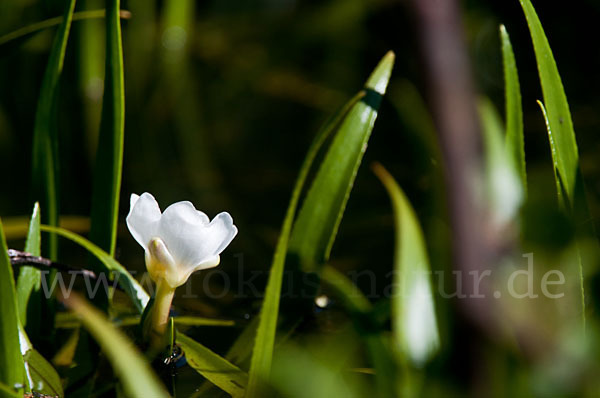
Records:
x=560, y=120
x=175, y=355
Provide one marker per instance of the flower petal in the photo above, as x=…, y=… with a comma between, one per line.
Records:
x=185, y=272
x=143, y=218
x=190, y=237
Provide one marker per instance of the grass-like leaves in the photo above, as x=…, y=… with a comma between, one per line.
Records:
x=109, y=155
x=319, y=218
x=45, y=141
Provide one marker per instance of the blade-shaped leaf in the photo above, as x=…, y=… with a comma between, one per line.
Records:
x=129, y=364
x=504, y=188
x=414, y=321
x=515, y=143
x=582, y=212
x=322, y=210
x=45, y=141
x=132, y=287
x=41, y=376
x=326, y=201
x=11, y=362
x=560, y=125
x=29, y=277
x=561, y=134
x=214, y=368
x=109, y=155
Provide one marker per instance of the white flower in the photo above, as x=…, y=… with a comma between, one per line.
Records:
x=179, y=241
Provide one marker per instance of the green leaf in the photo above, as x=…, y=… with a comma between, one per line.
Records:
x=129, y=364
x=131, y=286
x=24, y=33
x=560, y=190
x=504, y=188
x=582, y=212
x=45, y=140
x=565, y=155
x=68, y=321
x=29, y=280
x=347, y=292
x=41, y=376
x=560, y=125
x=414, y=322
x=219, y=371
x=515, y=142
x=109, y=155
x=11, y=362
x=328, y=193
x=316, y=227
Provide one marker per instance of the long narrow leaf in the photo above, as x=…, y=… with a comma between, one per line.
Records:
x=560, y=189
x=109, y=156
x=561, y=134
x=132, y=287
x=559, y=116
x=414, y=321
x=11, y=362
x=515, y=143
x=21, y=34
x=45, y=141
x=322, y=210
x=40, y=375
x=29, y=279
x=217, y=370
x=345, y=152
x=129, y=364
x=504, y=186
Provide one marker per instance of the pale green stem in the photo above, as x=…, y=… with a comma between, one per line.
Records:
x=159, y=316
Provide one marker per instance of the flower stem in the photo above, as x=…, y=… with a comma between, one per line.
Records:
x=159, y=316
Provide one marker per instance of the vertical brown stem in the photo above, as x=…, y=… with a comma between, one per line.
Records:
x=453, y=105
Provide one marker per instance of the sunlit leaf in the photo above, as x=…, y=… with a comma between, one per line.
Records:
x=217, y=370
x=11, y=362
x=321, y=213
x=40, y=375
x=515, y=144
x=132, y=287
x=503, y=185
x=561, y=134
x=129, y=364
x=560, y=125
x=29, y=279
x=414, y=321
x=109, y=155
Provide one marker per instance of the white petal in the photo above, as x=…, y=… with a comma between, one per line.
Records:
x=133, y=200
x=191, y=239
x=185, y=272
x=143, y=218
